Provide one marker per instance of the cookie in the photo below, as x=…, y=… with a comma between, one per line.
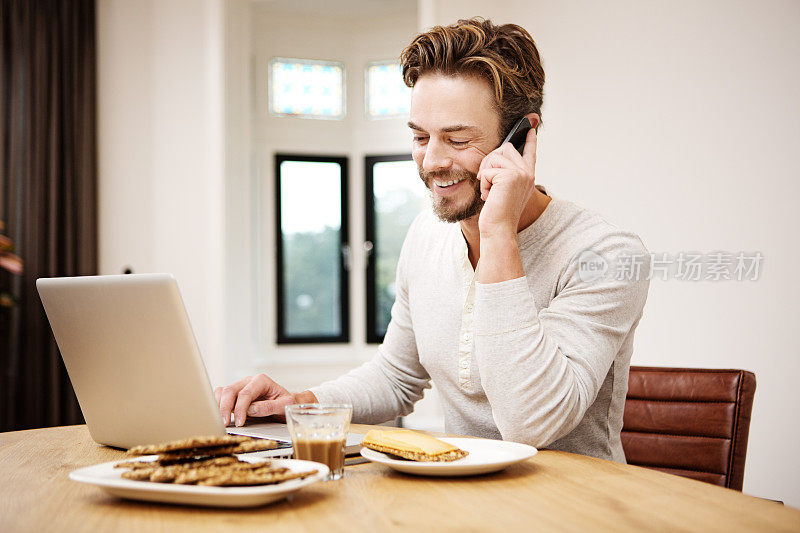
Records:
x=193, y=475
x=197, y=462
x=133, y=465
x=166, y=474
x=412, y=445
x=141, y=474
x=255, y=445
x=240, y=479
x=188, y=444
x=423, y=457
x=189, y=455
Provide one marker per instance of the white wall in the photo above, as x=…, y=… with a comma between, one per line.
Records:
x=679, y=120
x=161, y=176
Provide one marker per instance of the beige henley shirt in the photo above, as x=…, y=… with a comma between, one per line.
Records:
x=542, y=359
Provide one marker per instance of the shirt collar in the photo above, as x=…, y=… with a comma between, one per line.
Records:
x=533, y=233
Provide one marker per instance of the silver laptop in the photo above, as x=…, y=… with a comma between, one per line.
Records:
x=134, y=362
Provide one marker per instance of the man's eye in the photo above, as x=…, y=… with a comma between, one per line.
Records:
x=420, y=139
x=456, y=142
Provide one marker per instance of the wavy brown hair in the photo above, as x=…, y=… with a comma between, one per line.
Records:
x=503, y=55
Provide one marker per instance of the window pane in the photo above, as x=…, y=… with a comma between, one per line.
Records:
x=398, y=197
x=306, y=89
x=387, y=95
x=311, y=236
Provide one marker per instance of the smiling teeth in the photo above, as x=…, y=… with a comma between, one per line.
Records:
x=447, y=183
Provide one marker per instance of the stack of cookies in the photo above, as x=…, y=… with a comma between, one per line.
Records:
x=207, y=461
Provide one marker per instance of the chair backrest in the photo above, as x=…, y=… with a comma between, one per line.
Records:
x=689, y=422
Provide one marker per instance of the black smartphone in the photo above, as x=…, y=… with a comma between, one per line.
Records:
x=518, y=134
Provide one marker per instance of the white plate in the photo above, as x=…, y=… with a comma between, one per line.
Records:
x=110, y=479
x=485, y=455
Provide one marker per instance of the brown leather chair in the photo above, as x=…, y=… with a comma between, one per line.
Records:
x=689, y=422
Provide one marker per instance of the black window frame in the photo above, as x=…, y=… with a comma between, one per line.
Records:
x=369, y=238
x=344, y=234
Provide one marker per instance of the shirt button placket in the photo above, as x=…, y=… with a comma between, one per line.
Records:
x=465, y=338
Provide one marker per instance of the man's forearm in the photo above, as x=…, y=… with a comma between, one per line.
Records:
x=541, y=367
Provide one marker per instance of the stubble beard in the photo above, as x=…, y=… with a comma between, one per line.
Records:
x=449, y=209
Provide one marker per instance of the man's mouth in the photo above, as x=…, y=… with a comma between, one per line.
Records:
x=443, y=184
x=446, y=187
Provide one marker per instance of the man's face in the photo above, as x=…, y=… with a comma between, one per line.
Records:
x=455, y=125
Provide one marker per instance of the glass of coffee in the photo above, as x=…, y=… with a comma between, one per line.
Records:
x=319, y=432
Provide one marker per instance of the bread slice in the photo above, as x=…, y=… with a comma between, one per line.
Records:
x=412, y=445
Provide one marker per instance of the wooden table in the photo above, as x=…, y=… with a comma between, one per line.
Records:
x=553, y=491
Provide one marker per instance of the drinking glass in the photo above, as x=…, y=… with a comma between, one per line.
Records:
x=319, y=433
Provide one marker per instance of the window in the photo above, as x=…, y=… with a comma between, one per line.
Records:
x=387, y=94
x=312, y=242
x=395, y=195
x=306, y=88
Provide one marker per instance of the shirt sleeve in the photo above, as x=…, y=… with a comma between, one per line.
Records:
x=388, y=385
x=541, y=368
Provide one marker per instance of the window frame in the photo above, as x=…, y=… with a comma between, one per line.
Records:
x=369, y=238
x=344, y=244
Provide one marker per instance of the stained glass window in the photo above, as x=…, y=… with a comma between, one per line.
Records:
x=387, y=95
x=306, y=88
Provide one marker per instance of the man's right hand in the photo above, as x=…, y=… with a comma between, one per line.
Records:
x=256, y=396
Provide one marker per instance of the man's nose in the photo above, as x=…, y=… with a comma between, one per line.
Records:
x=436, y=157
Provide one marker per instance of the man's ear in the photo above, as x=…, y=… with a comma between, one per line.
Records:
x=535, y=120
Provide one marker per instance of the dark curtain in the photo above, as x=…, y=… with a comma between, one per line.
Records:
x=48, y=192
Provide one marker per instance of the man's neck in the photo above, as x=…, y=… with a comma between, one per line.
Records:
x=533, y=210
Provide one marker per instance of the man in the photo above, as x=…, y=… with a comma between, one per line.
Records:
x=492, y=299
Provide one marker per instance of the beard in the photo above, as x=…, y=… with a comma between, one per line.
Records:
x=450, y=209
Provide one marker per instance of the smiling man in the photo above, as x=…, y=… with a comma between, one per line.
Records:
x=493, y=302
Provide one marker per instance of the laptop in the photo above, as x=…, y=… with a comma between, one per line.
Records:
x=134, y=363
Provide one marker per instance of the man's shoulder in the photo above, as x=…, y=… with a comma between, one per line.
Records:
x=582, y=228
x=587, y=246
